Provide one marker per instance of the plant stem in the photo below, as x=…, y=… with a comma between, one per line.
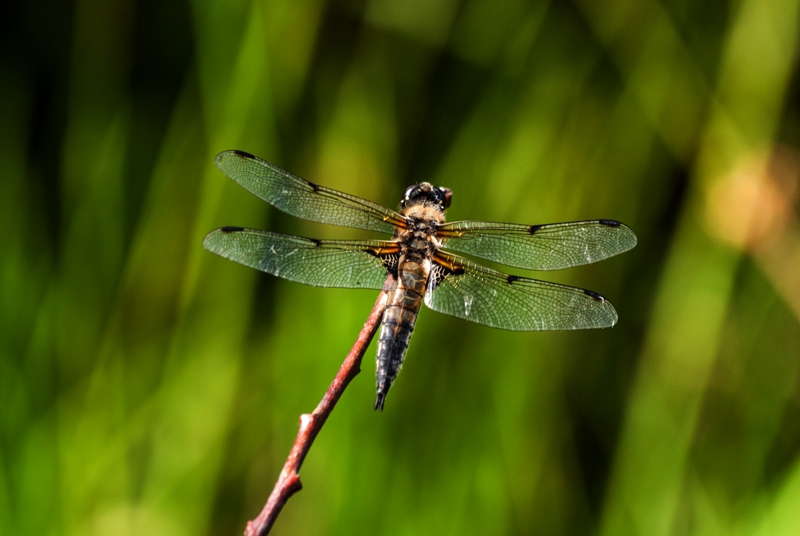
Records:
x=310, y=424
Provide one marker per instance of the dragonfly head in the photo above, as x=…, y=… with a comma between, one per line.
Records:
x=426, y=194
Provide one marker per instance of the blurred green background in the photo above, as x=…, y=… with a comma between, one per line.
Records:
x=150, y=387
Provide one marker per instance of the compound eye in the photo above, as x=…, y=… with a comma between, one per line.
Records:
x=407, y=195
x=446, y=196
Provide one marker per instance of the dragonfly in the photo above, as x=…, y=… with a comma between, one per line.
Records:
x=421, y=261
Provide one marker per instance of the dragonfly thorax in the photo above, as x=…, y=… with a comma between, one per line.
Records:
x=418, y=239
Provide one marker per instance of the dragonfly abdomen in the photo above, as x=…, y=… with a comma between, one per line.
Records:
x=398, y=325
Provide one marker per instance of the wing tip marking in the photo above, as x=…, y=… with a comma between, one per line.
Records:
x=595, y=296
x=243, y=154
x=230, y=229
x=610, y=223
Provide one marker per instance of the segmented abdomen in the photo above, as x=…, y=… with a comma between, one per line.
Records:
x=398, y=324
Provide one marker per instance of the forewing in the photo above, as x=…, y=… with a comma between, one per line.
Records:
x=539, y=247
x=302, y=198
x=321, y=263
x=467, y=290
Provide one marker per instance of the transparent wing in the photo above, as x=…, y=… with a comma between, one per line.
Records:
x=539, y=247
x=302, y=198
x=467, y=290
x=321, y=263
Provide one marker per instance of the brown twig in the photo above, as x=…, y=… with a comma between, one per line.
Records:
x=310, y=424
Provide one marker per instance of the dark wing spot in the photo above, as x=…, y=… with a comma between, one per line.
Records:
x=594, y=295
x=533, y=228
x=610, y=223
x=449, y=271
x=511, y=278
x=314, y=187
x=389, y=262
x=317, y=243
x=231, y=229
x=243, y=154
